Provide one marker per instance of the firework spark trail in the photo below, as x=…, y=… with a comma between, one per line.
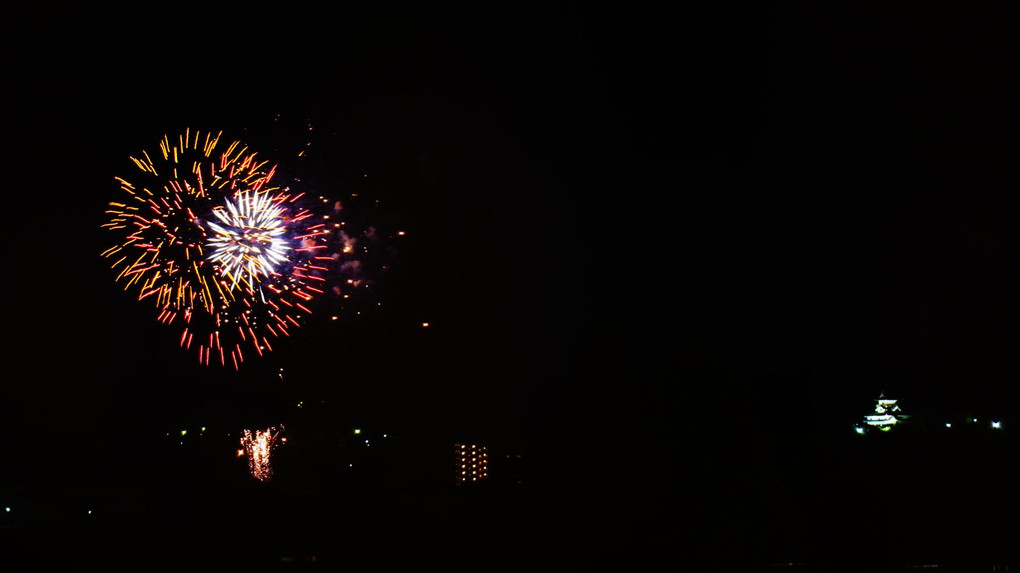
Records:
x=258, y=446
x=226, y=255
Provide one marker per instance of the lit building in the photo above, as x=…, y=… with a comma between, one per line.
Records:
x=887, y=414
x=471, y=463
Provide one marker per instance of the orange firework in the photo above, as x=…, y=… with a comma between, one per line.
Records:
x=229, y=256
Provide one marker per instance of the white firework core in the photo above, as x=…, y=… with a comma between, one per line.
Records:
x=251, y=242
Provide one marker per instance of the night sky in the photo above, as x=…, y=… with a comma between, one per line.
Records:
x=673, y=257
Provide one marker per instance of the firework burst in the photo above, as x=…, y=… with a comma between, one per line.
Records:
x=226, y=254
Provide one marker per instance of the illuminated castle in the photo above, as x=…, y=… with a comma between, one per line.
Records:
x=887, y=414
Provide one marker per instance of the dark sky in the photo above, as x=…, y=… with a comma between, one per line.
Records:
x=621, y=223
x=470, y=125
